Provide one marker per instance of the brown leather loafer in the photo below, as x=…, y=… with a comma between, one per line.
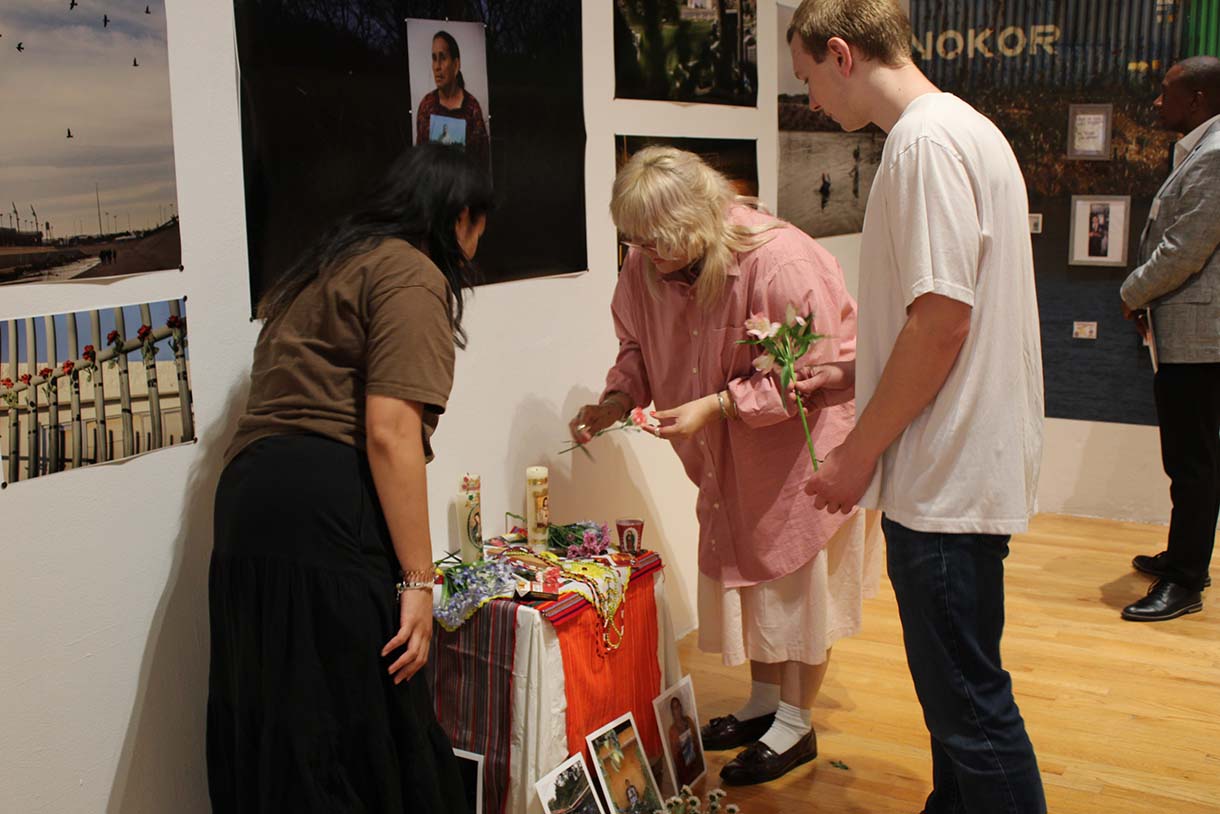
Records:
x=730, y=733
x=760, y=764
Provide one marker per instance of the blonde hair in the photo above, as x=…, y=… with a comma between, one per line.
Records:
x=878, y=29
x=673, y=198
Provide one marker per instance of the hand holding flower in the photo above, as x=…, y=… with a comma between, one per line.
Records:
x=687, y=419
x=822, y=386
x=841, y=481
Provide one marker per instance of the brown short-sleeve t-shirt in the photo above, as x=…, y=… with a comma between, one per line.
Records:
x=376, y=325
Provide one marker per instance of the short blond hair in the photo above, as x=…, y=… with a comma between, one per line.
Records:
x=878, y=29
x=672, y=198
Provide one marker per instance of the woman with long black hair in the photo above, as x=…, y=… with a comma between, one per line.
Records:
x=321, y=578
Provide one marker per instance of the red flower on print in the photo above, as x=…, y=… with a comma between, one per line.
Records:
x=143, y=333
x=89, y=353
x=25, y=378
x=68, y=366
x=46, y=373
x=112, y=337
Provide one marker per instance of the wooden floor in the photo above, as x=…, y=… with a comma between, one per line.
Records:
x=1125, y=717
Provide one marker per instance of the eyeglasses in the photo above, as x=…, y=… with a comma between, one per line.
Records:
x=647, y=248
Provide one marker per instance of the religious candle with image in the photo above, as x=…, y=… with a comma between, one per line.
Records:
x=630, y=535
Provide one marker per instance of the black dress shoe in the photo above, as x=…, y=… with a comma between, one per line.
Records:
x=1156, y=566
x=759, y=763
x=1165, y=600
x=730, y=733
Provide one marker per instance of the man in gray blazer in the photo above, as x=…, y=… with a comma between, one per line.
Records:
x=1178, y=282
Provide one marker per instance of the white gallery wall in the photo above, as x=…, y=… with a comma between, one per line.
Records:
x=103, y=571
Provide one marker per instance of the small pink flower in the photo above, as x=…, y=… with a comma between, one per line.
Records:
x=792, y=318
x=759, y=327
x=764, y=362
x=638, y=417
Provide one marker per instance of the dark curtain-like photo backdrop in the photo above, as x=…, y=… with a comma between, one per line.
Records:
x=326, y=107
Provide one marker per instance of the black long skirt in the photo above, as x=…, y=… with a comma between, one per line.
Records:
x=302, y=715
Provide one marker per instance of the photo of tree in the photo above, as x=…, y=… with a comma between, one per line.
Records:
x=687, y=51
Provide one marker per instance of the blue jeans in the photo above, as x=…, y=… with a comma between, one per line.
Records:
x=950, y=591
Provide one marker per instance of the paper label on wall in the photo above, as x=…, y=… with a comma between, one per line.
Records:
x=1084, y=330
x=1090, y=134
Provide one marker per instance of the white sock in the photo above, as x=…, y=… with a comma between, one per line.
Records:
x=764, y=699
x=791, y=724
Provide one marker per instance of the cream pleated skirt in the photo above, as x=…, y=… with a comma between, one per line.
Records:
x=797, y=617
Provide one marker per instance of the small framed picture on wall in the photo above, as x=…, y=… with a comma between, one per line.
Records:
x=1099, y=230
x=1035, y=223
x=1089, y=132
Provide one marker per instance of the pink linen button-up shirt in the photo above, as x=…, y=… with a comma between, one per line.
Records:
x=756, y=523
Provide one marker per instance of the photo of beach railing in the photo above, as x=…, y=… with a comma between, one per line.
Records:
x=87, y=388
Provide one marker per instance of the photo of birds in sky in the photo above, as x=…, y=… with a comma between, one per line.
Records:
x=87, y=181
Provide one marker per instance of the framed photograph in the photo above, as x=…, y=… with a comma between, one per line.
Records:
x=471, y=767
x=1089, y=132
x=1099, y=230
x=569, y=789
x=681, y=741
x=622, y=768
x=1035, y=223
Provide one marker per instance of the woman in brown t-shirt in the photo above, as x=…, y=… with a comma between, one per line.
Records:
x=314, y=701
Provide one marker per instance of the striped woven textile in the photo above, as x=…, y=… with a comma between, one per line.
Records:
x=471, y=675
x=569, y=606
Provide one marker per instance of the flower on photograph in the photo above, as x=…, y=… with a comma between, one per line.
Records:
x=89, y=354
x=112, y=338
x=759, y=327
x=24, y=378
x=148, y=346
x=177, y=326
x=7, y=382
x=48, y=381
x=68, y=366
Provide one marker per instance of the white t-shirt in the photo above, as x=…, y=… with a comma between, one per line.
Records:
x=948, y=214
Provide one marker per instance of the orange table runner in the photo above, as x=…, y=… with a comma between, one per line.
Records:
x=603, y=686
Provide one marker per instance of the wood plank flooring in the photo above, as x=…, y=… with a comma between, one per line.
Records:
x=1125, y=717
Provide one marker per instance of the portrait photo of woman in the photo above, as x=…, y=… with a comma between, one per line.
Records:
x=452, y=90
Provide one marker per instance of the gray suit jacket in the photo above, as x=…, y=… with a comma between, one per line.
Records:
x=1178, y=275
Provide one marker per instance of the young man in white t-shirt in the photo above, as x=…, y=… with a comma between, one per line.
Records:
x=948, y=383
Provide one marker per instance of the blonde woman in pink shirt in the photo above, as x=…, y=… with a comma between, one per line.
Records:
x=779, y=581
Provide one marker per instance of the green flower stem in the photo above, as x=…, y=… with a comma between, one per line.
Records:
x=800, y=408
